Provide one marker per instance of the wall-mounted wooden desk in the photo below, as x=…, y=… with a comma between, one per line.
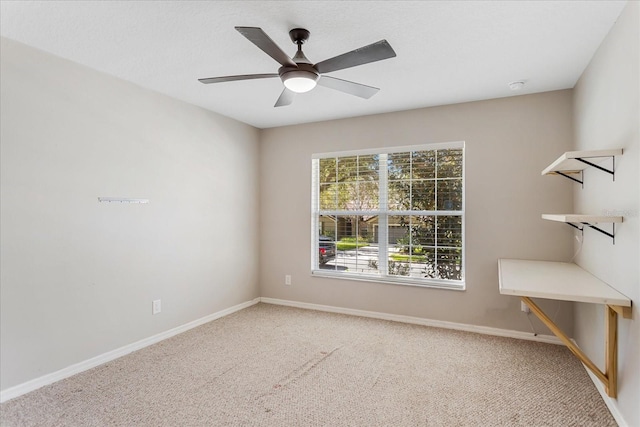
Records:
x=568, y=282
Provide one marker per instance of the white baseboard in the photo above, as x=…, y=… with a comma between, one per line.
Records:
x=551, y=339
x=47, y=379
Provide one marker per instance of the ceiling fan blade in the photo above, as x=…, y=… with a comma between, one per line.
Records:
x=258, y=37
x=239, y=77
x=364, y=55
x=357, y=89
x=286, y=98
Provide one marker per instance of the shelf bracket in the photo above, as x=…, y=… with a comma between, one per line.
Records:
x=577, y=228
x=606, y=233
x=611, y=172
x=612, y=234
x=580, y=181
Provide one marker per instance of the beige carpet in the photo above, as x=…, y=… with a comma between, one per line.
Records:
x=277, y=366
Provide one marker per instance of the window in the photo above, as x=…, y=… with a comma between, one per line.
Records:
x=392, y=215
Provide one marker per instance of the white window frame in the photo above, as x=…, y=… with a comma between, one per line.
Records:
x=383, y=213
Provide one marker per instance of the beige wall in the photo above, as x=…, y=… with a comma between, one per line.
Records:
x=78, y=276
x=607, y=115
x=508, y=142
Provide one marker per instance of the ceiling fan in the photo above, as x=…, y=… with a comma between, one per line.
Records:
x=299, y=75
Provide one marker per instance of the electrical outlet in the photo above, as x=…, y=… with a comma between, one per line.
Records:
x=156, y=306
x=287, y=280
x=524, y=307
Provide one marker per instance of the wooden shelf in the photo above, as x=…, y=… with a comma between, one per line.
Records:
x=573, y=161
x=582, y=219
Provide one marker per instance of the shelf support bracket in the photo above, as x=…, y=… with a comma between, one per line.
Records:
x=579, y=181
x=612, y=234
x=581, y=229
x=610, y=376
x=575, y=226
x=606, y=233
x=611, y=172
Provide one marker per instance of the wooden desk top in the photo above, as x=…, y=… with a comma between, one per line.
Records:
x=555, y=280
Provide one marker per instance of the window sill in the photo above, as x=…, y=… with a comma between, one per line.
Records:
x=432, y=283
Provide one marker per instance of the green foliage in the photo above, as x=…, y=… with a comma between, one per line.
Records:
x=354, y=239
x=349, y=243
x=395, y=268
x=398, y=268
x=330, y=234
x=408, y=258
x=414, y=178
x=406, y=246
x=349, y=183
x=448, y=265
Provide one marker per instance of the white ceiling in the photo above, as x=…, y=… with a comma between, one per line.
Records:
x=447, y=51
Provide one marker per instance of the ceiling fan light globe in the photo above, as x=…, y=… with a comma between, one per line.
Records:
x=299, y=84
x=301, y=79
